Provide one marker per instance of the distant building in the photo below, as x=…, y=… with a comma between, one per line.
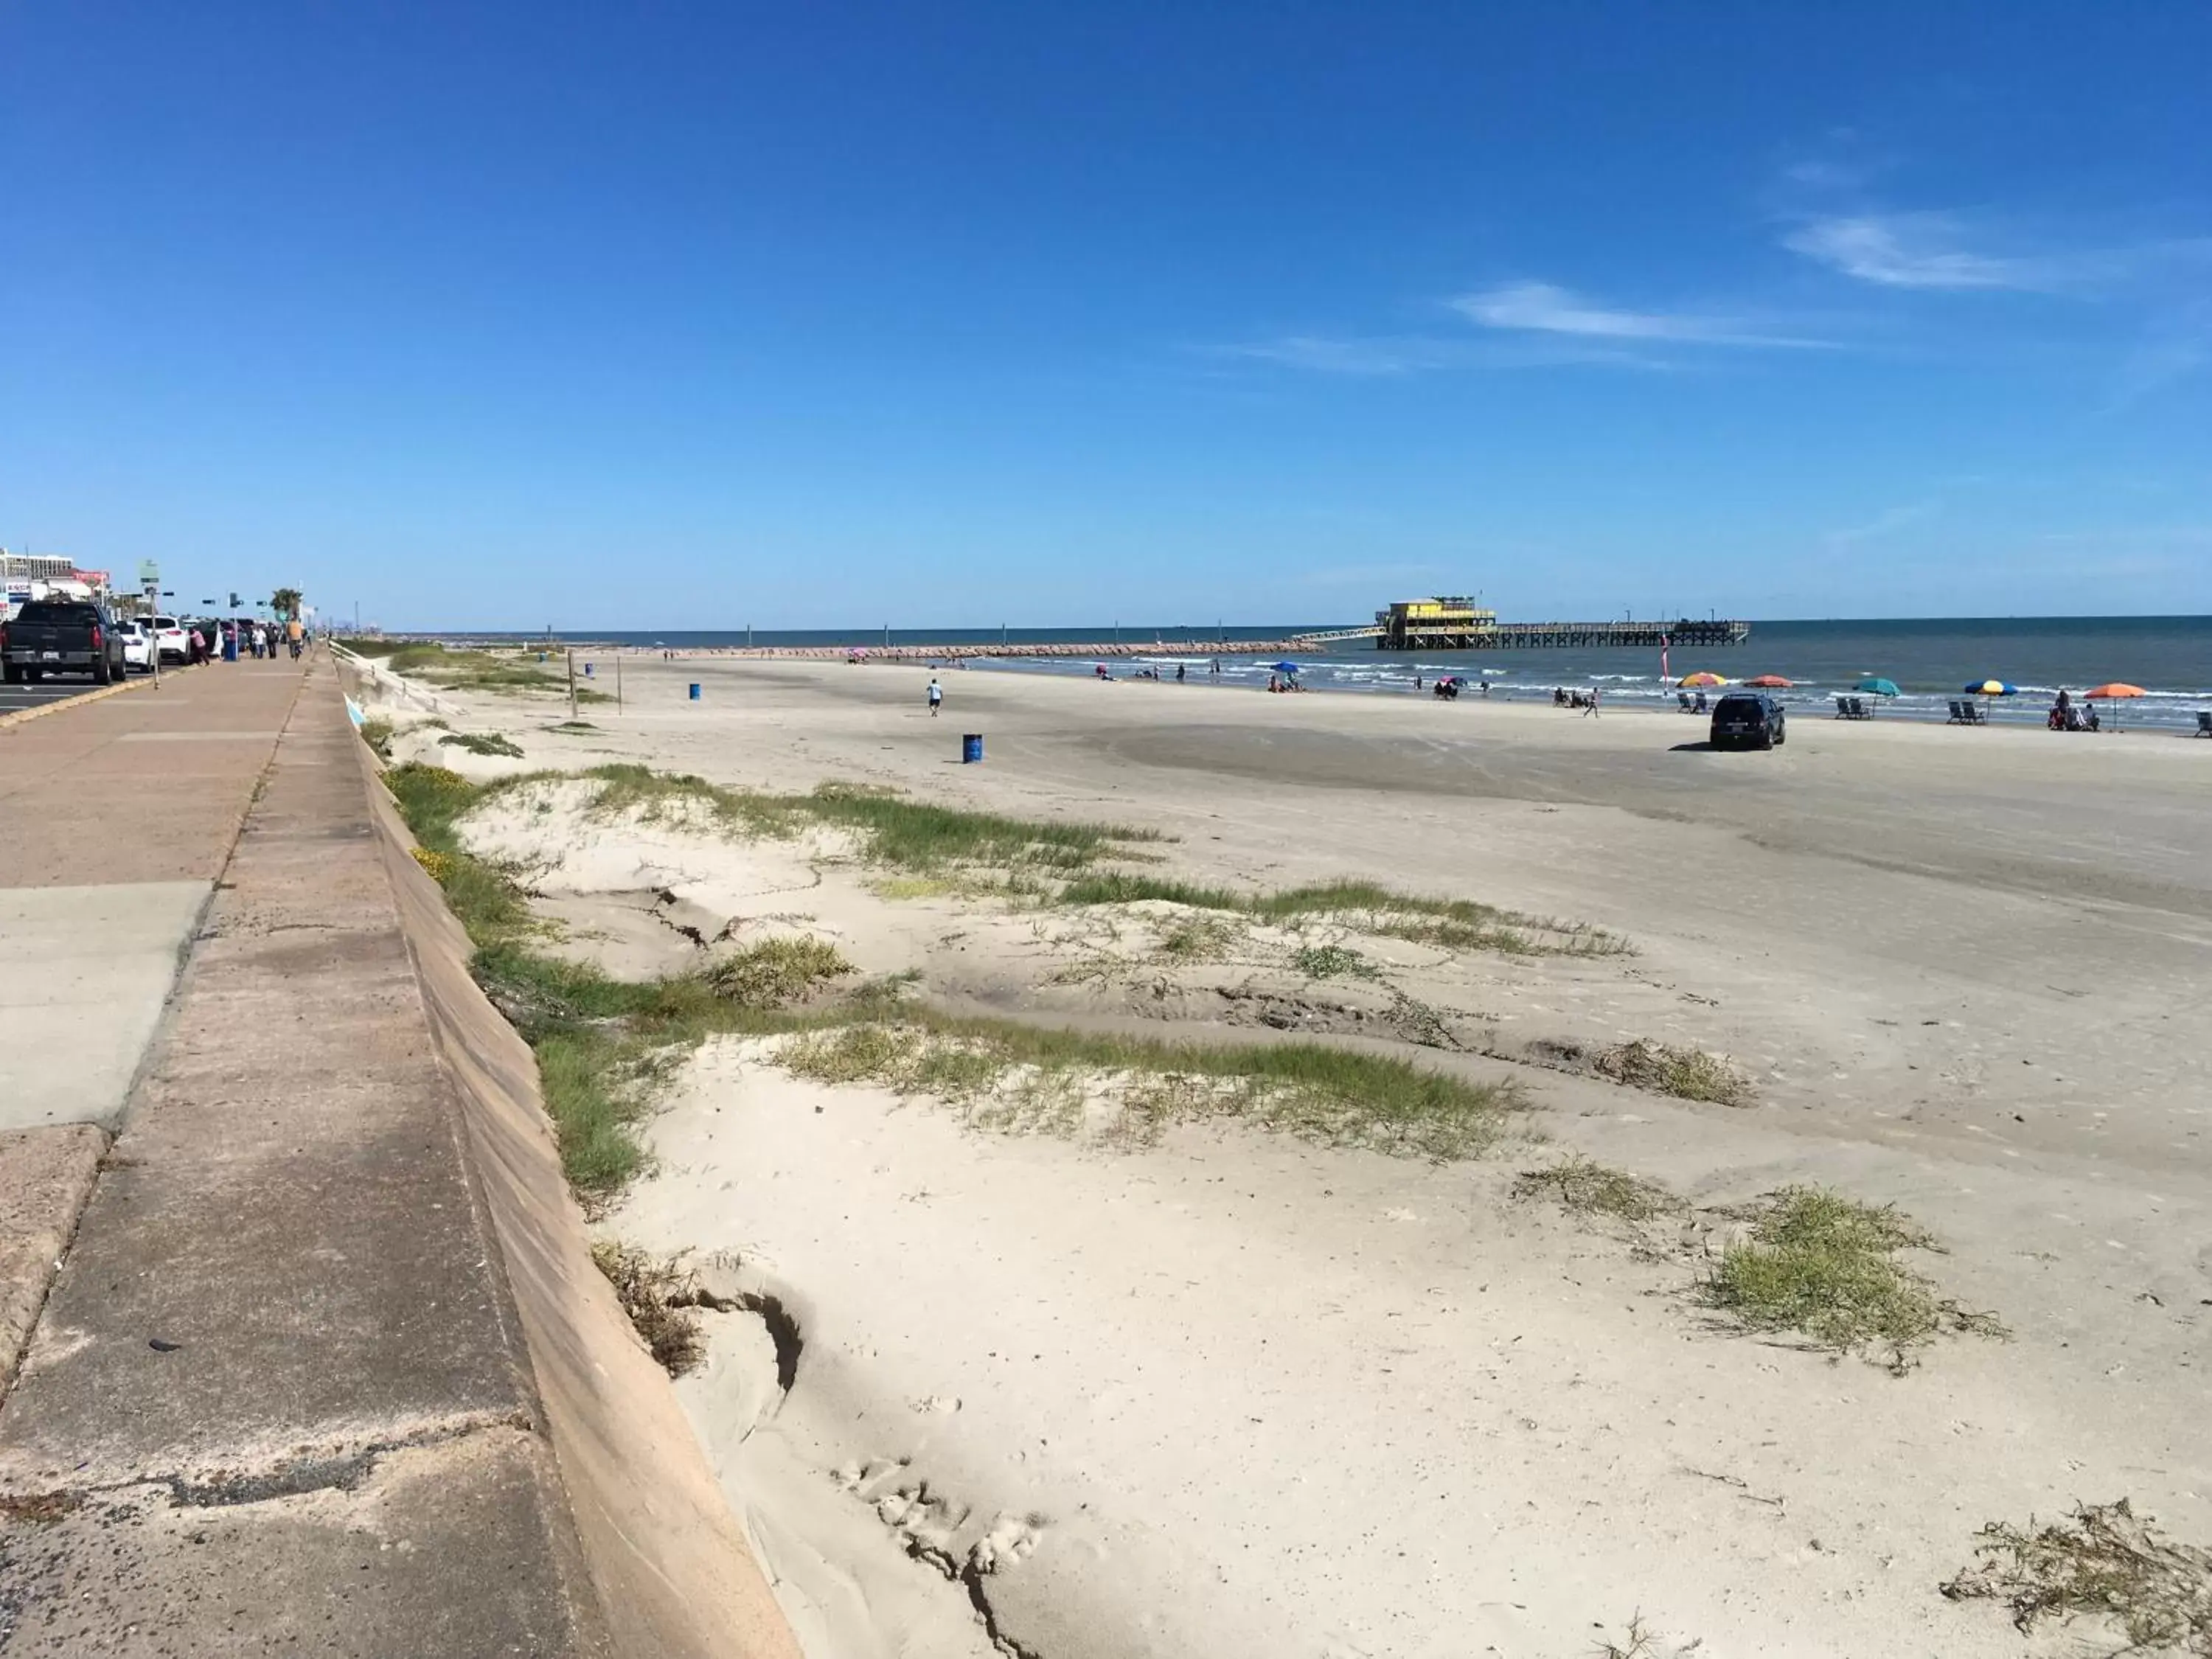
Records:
x=1439, y=625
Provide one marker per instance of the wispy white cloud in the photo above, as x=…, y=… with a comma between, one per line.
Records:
x=1885, y=523
x=1929, y=250
x=1940, y=251
x=1389, y=356
x=1371, y=357
x=1542, y=308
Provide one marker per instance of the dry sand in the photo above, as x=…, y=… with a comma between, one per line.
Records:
x=1235, y=1394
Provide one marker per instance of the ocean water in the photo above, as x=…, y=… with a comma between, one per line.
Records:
x=1930, y=660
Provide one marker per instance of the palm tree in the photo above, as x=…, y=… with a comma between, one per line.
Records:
x=285, y=602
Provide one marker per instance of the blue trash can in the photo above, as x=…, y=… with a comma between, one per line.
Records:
x=971, y=748
x=587, y=670
x=695, y=690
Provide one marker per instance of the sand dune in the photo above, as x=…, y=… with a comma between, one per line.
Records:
x=1224, y=1391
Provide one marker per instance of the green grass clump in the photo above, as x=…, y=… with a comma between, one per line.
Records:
x=2103, y=1563
x=1454, y=924
x=1200, y=939
x=911, y=836
x=916, y=836
x=1330, y=961
x=1333, y=1096
x=1826, y=1266
x=1587, y=1188
x=456, y=669
x=776, y=972
x=1685, y=1073
x=377, y=734
x=483, y=743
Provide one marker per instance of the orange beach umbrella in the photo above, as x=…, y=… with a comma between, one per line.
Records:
x=2116, y=689
x=1770, y=683
x=1700, y=678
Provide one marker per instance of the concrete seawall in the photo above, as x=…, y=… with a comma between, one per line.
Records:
x=327, y=1366
x=674, y=1574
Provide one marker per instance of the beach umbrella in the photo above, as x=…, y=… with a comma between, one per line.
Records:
x=1770, y=683
x=2112, y=691
x=1990, y=689
x=1700, y=680
x=1879, y=687
x=1286, y=668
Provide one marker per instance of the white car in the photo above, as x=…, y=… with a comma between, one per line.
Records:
x=169, y=635
x=138, y=646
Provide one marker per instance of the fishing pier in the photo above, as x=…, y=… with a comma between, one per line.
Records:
x=1459, y=624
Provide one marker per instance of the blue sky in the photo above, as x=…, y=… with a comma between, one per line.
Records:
x=702, y=315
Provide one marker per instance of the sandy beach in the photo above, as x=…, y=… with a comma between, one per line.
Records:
x=1039, y=1389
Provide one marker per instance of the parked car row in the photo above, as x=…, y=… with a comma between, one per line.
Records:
x=78, y=636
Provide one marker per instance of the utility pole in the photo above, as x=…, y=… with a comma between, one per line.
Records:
x=619, y=697
x=572, y=685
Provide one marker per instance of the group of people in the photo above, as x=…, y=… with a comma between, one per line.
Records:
x=213, y=637
x=1585, y=701
x=2067, y=716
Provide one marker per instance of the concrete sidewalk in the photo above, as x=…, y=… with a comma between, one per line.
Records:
x=277, y=1399
x=116, y=819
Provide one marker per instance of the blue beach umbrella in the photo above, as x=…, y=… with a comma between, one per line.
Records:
x=1990, y=689
x=1879, y=687
x=1286, y=668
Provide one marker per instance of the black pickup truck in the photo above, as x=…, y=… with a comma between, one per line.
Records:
x=60, y=636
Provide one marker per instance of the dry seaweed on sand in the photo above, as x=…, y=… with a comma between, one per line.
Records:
x=660, y=1298
x=1685, y=1073
x=2101, y=1562
x=1586, y=1187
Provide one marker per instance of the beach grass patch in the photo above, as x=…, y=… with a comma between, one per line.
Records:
x=776, y=972
x=2102, y=1563
x=483, y=743
x=462, y=669
x=1585, y=1187
x=1332, y=961
x=1335, y=1097
x=659, y=1298
x=916, y=836
x=1685, y=1073
x=376, y=733
x=1367, y=906
x=1826, y=1267
x=897, y=888
x=1200, y=939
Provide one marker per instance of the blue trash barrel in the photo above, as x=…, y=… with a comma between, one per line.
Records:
x=971, y=748
x=587, y=670
x=695, y=690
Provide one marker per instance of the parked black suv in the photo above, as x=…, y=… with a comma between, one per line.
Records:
x=60, y=636
x=1747, y=719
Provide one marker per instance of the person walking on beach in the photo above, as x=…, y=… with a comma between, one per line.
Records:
x=936, y=698
x=1589, y=707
